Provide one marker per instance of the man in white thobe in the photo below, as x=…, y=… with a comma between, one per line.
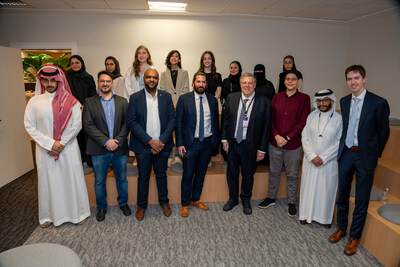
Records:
x=53, y=120
x=320, y=140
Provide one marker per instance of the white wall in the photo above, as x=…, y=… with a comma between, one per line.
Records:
x=375, y=44
x=320, y=49
x=15, y=146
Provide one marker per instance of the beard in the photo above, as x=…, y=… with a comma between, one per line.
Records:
x=326, y=108
x=199, y=90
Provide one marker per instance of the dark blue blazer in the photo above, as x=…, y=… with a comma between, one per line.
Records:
x=373, y=128
x=137, y=119
x=258, y=131
x=186, y=119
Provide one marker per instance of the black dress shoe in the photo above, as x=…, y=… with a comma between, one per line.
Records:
x=126, y=210
x=101, y=215
x=246, y=207
x=230, y=204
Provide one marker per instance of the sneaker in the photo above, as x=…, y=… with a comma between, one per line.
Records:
x=292, y=210
x=266, y=203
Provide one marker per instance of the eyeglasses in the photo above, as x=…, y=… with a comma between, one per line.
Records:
x=324, y=100
x=293, y=79
x=105, y=81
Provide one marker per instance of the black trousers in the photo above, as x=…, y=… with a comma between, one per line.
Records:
x=237, y=156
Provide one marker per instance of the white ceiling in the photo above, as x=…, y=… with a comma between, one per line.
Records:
x=326, y=10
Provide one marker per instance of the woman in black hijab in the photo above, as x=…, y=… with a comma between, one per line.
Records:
x=82, y=86
x=288, y=64
x=232, y=83
x=264, y=86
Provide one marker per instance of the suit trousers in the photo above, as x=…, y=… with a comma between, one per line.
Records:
x=291, y=160
x=237, y=156
x=194, y=170
x=146, y=161
x=349, y=163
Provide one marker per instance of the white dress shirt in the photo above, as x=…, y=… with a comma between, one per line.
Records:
x=207, y=116
x=153, y=126
x=249, y=106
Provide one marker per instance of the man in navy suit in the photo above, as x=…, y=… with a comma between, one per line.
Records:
x=151, y=120
x=245, y=127
x=365, y=133
x=196, y=137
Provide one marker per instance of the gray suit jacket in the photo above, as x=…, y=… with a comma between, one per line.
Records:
x=94, y=122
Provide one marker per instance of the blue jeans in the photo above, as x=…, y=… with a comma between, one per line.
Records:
x=100, y=166
x=194, y=169
x=146, y=160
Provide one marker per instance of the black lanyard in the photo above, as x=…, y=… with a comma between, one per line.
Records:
x=246, y=110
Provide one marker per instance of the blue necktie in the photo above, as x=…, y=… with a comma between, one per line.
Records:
x=352, y=124
x=239, y=135
x=201, y=124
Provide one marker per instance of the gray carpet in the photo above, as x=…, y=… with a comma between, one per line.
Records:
x=206, y=238
x=18, y=210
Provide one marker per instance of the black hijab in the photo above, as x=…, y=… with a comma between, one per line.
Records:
x=81, y=83
x=260, y=76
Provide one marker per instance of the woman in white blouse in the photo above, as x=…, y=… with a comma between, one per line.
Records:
x=134, y=76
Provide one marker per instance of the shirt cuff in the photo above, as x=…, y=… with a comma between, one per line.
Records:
x=261, y=151
x=106, y=142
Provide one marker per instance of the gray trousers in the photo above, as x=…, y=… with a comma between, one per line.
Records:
x=291, y=159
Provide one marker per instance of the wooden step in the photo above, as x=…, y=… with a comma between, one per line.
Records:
x=215, y=187
x=387, y=175
x=380, y=237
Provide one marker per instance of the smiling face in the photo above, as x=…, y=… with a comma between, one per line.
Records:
x=234, y=69
x=142, y=55
x=291, y=82
x=76, y=65
x=248, y=86
x=150, y=79
x=174, y=59
x=288, y=63
x=200, y=84
x=49, y=84
x=324, y=104
x=104, y=84
x=207, y=60
x=355, y=82
x=110, y=65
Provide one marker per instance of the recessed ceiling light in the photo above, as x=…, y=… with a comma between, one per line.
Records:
x=12, y=3
x=166, y=6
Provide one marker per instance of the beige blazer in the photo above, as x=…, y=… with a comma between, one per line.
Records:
x=182, y=83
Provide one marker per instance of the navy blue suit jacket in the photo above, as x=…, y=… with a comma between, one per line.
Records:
x=373, y=128
x=137, y=119
x=258, y=131
x=186, y=119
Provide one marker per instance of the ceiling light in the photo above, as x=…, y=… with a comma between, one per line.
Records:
x=166, y=6
x=12, y=3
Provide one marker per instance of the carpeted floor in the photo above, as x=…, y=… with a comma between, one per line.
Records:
x=206, y=238
x=18, y=210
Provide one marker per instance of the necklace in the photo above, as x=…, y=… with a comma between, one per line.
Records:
x=320, y=134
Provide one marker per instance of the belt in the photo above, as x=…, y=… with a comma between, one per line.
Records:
x=353, y=148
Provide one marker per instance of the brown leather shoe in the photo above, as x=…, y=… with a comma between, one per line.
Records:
x=185, y=211
x=199, y=204
x=303, y=222
x=337, y=235
x=166, y=209
x=140, y=213
x=351, y=247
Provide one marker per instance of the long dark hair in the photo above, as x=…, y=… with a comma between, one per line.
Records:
x=213, y=68
x=167, y=60
x=117, y=71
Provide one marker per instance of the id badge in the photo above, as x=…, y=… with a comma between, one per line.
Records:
x=245, y=122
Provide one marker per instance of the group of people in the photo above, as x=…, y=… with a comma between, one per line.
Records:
x=256, y=123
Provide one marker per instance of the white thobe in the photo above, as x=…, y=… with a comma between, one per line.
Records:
x=320, y=137
x=63, y=195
